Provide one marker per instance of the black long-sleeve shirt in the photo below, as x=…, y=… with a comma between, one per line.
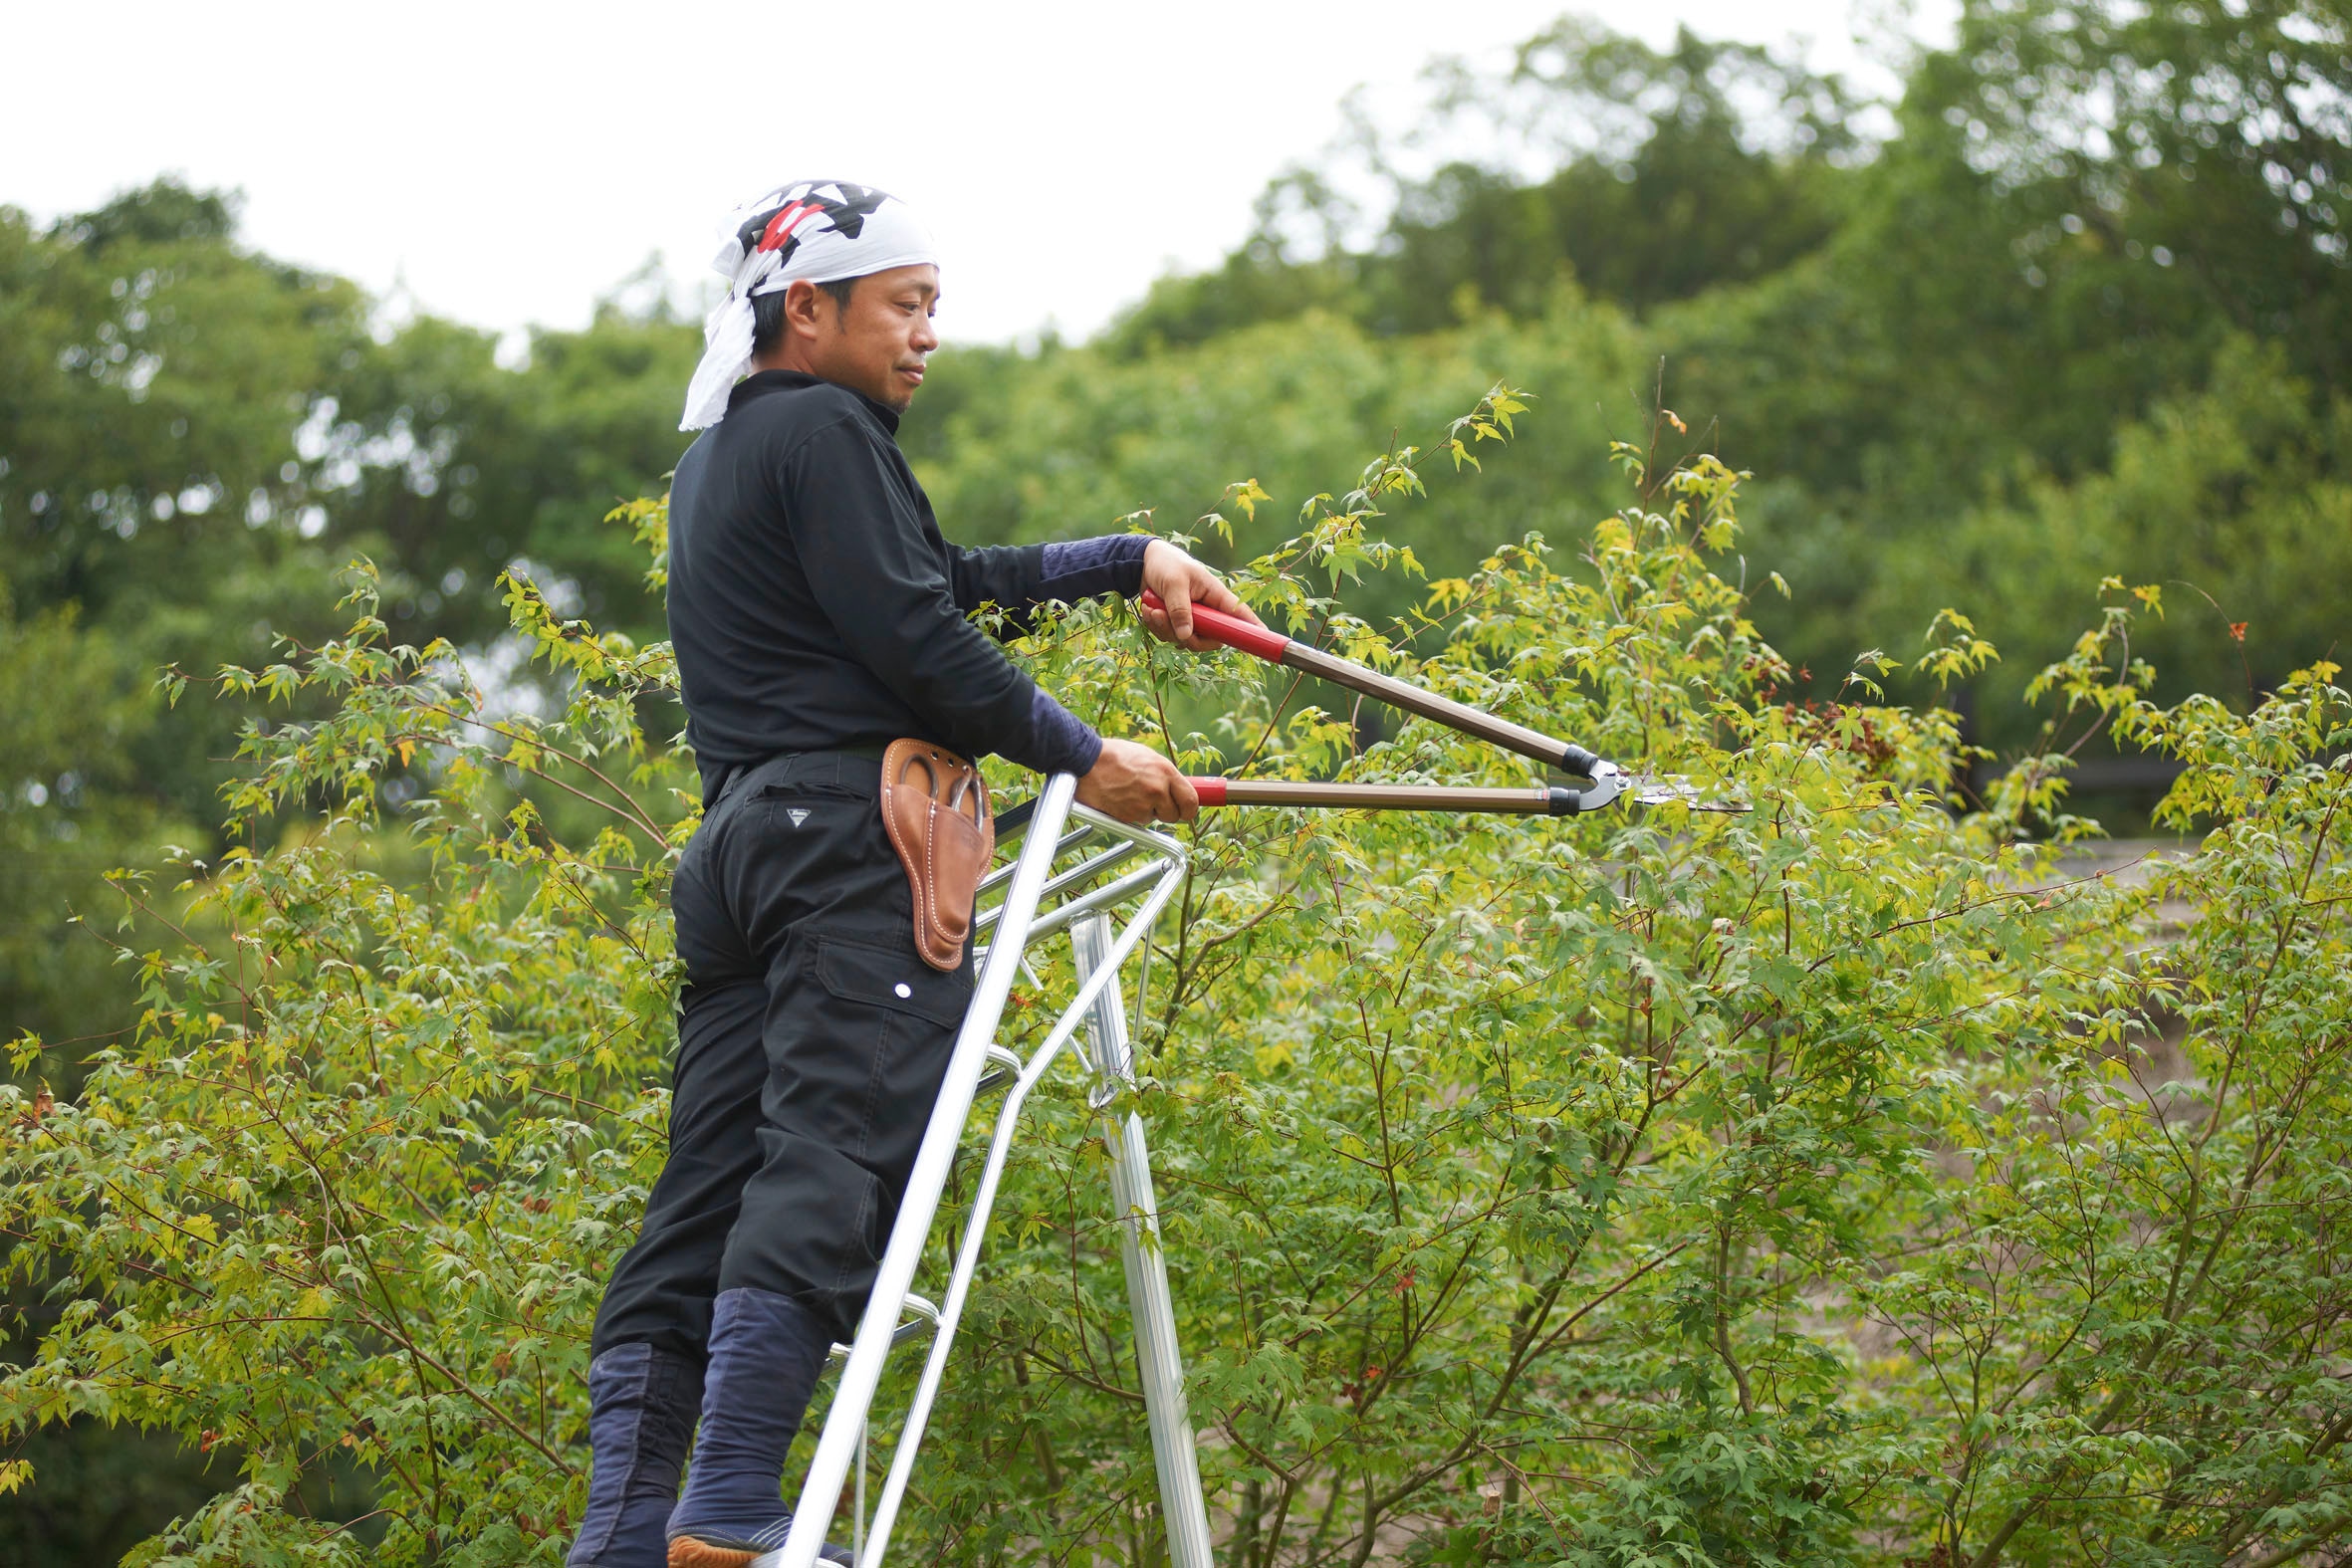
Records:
x=814, y=605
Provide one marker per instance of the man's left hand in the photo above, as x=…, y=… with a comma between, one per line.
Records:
x=1181, y=582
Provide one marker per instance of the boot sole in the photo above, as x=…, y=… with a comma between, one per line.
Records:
x=687, y=1552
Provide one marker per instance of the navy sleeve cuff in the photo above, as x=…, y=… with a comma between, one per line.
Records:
x=1082, y=568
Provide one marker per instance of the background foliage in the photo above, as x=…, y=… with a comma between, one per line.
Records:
x=2068, y=309
x=1828, y=1182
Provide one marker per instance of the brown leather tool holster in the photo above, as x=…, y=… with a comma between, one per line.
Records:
x=935, y=808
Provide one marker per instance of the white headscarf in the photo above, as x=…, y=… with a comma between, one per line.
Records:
x=823, y=229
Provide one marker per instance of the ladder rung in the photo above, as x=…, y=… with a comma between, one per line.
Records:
x=922, y=1318
x=1008, y=1068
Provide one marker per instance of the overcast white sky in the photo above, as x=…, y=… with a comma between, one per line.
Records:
x=510, y=163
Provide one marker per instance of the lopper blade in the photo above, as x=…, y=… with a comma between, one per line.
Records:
x=1672, y=790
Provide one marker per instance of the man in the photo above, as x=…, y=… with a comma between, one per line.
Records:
x=817, y=615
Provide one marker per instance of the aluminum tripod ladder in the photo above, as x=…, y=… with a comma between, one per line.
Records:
x=1114, y=864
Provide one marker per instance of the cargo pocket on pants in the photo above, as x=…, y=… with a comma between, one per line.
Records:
x=906, y=1013
x=891, y=978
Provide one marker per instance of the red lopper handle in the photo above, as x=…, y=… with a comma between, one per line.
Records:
x=1218, y=626
x=1275, y=648
x=1210, y=791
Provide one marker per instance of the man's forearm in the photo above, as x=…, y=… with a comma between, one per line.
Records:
x=1016, y=578
x=1052, y=739
x=1057, y=741
x=1082, y=569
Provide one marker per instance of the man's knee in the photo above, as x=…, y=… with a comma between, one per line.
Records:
x=813, y=1228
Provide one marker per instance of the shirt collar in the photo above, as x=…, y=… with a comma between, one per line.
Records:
x=761, y=383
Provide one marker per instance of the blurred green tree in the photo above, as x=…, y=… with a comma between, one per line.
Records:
x=192, y=436
x=1665, y=174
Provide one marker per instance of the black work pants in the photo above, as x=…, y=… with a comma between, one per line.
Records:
x=812, y=1043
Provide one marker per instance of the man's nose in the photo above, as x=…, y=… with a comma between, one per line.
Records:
x=926, y=336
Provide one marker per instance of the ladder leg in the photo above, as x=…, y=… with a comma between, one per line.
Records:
x=844, y=1423
x=1182, y=1505
x=1093, y=983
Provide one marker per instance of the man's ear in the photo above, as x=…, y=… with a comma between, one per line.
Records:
x=804, y=308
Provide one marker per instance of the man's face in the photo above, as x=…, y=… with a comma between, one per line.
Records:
x=878, y=342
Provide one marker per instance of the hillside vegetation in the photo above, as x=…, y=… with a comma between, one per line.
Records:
x=1838, y=1181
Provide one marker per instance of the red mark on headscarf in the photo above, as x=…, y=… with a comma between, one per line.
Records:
x=779, y=227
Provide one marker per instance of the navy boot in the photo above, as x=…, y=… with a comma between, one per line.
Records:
x=765, y=1353
x=642, y=1407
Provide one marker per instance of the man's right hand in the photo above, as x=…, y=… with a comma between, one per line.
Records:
x=1137, y=784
